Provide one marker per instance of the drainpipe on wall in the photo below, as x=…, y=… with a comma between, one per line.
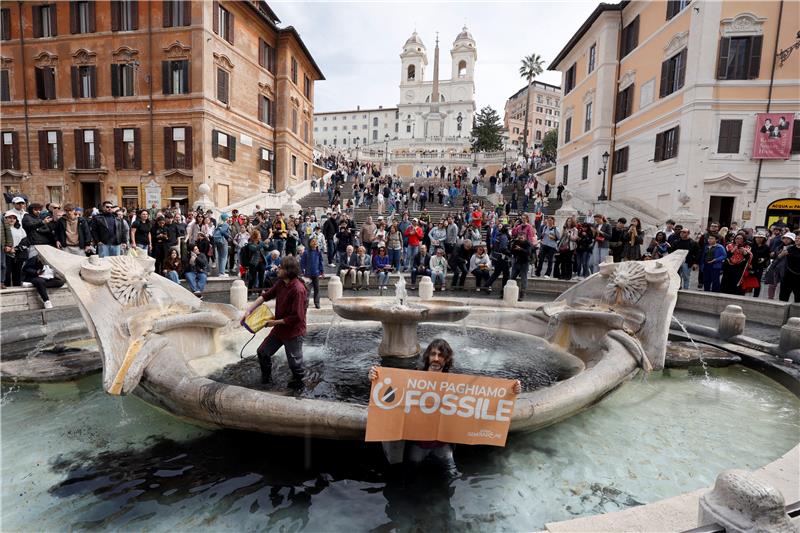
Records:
x=769, y=94
x=150, y=84
x=25, y=89
x=614, y=111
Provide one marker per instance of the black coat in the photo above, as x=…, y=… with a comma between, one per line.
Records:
x=37, y=231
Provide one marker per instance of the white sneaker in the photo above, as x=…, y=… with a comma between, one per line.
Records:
x=27, y=284
x=545, y=277
x=48, y=304
x=224, y=275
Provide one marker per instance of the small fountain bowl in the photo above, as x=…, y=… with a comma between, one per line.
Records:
x=387, y=310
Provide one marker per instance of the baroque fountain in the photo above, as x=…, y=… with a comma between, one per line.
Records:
x=164, y=345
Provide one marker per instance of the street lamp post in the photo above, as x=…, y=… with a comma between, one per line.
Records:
x=603, y=197
x=386, y=148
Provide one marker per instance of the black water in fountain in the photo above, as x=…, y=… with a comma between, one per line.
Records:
x=338, y=370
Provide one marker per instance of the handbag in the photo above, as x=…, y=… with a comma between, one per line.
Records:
x=256, y=320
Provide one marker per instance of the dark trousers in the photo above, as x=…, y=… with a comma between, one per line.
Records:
x=294, y=356
x=255, y=276
x=500, y=268
x=521, y=270
x=481, y=277
x=42, y=285
x=790, y=284
x=711, y=279
x=459, y=274
x=565, y=264
x=546, y=253
x=416, y=272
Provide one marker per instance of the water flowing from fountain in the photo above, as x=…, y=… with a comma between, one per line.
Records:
x=696, y=347
x=400, y=293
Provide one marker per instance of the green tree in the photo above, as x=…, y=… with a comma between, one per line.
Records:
x=486, y=131
x=550, y=144
x=532, y=66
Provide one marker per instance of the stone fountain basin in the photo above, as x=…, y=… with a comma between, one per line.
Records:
x=387, y=311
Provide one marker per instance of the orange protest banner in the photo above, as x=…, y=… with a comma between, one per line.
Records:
x=414, y=405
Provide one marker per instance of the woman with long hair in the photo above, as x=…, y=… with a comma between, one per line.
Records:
x=173, y=267
x=632, y=240
x=658, y=247
x=566, y=248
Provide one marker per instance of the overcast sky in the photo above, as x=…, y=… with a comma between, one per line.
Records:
x=358, y=45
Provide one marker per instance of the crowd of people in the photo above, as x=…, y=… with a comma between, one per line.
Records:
x=473, y=239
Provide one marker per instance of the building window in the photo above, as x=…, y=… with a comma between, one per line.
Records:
x=585, y=168
x=375, y=122
x=294, y=121
x=223, y=23
x=5, y=24
x=84, y=82
x=50, y=150
x=462, y=69
x=374, y=135
x=122, y=79
x=294, y=165
x=411, y=73
x=539, y=109
x=630, y=38
x=673, y=74
x=294, y=71
x=305, y=171
x=175, y=77
x=796, y=137
x=739, y=58
x=266, y=56
x=567, y=130
x=587, y=124
x=130, y=197
x=675, y=6
x=539, y=121
x=305, y=131
x=592, y=58
x=178, y=147
x=265, y=110
x=81, y=17
x=124, y=15
x=548, y=123
x=569, y=79
x=44, y=20
x=5, y=86
x=325, y=142
x=307, y=87
x=565, y=177
x=223, y=145
x=223, y=85
x=620, y=161
x=87, y=149
x=177, y=13
x=45, y=83
x=730, y=134
x=667, y=144
x=408, y=128
x=538, y=135
x=127, y=148
x=10, y=155
x=624, y=103
x=264, y=160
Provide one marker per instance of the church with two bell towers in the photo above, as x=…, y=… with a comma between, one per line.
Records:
x=437, y=109
x=432, y=114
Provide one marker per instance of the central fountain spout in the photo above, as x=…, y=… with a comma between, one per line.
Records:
x=400, y=318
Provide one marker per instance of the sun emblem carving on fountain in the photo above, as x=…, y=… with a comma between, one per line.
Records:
x=128, y=281
x=626, y=284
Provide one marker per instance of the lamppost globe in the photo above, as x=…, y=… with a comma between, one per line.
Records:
x=605, y=158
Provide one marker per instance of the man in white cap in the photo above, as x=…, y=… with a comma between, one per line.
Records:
x=19, y=207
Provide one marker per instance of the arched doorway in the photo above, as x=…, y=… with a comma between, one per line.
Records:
x=785, y=209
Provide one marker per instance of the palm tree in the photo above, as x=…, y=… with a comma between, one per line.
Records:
x=532, y=66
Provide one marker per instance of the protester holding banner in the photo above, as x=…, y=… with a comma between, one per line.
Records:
x=438, y=357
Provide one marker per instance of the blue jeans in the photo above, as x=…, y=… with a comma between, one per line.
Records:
x=599, y=255
x=584, y=263
x=438, y=277
x=686, y=273
x=221, y=249
x=108, y=250
x=196, y=281
x=143, y=247
x=383, y=278
x=331, y=250
x=411, y=253
x=395, y=257
x=280, y=244
x=173, y=276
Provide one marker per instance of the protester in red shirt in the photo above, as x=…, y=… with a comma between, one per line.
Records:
x=477, y=217
x=289, y=325
x=414, y=235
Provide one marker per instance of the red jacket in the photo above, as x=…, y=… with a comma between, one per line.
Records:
x=290, y=305
x=414, y=234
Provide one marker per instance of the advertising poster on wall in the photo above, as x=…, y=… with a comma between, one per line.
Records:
x=773, y=138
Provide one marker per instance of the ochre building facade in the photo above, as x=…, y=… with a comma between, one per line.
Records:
x=142, y=102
